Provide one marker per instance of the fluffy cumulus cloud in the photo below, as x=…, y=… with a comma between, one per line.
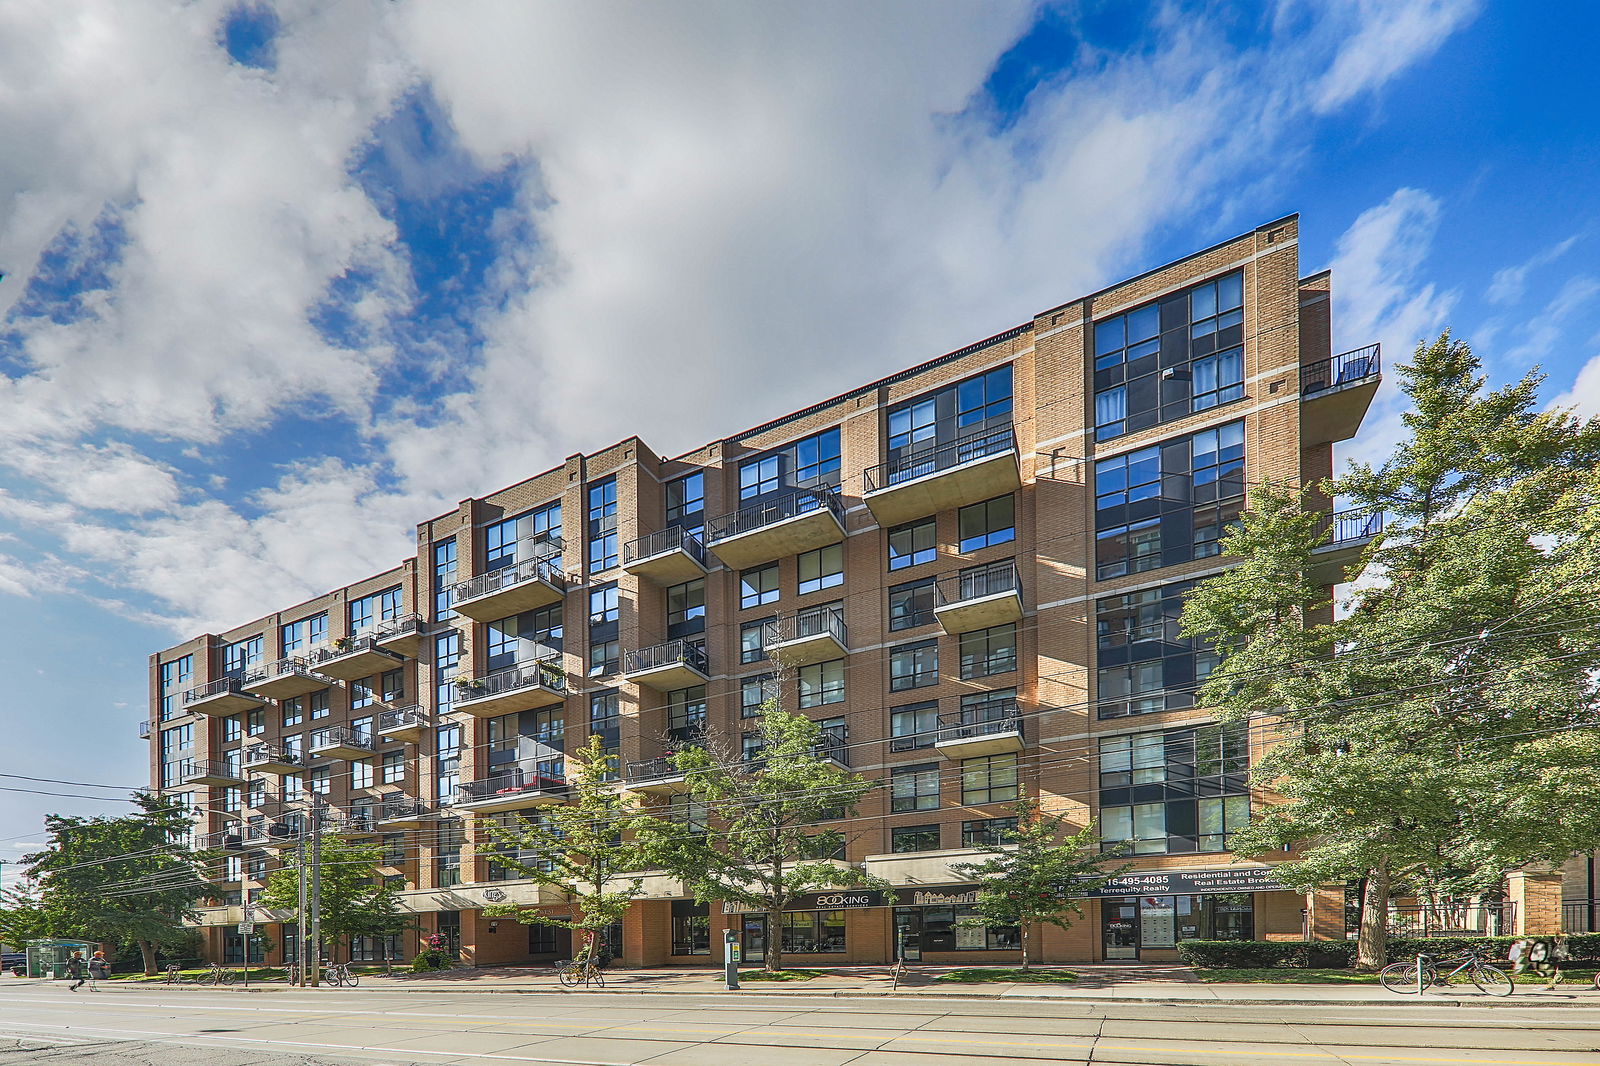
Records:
x=689, y=218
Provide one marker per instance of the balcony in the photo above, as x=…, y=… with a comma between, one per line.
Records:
x=404, y=723
x=830, y=747
x=800, y=522
x=338, y=742
x=1335, y=394
x=356, y=822
x=512, y=590
x=657, y=777
x=144, y=730
x=282, y=679
x=509, y=792
x=990, y=731
x=267, y=759
x=403, y=813
x=805, y=637
x=669, y=557
x=524, y=687
x=666, y=667
x=402, y=636
x=972, y=469
x=214, y=772
x=221, y=698
x=1349, y=533
x=350, y=659
x=978, y=598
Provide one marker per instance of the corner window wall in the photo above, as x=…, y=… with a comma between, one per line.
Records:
x=534, y=534
x=955, y=411
x=1168, y=359
x=1181, y=791
x=812, y=462
x=1145, y=665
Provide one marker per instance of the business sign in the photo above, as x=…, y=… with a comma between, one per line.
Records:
x=1194, y=882
x=843, y=899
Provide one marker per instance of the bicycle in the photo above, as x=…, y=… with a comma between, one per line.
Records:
x=174, y=975
x=1401, y=977
x=341, y=974
x=585, y=972
x=217, y=976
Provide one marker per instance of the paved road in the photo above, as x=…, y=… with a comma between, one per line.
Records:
x=139, y=1026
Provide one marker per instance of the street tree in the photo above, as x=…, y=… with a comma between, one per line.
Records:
x=354, y=900
x=766, y=840
x=1441, y=731
x=1036, y=873
x=22, y=917
x=130, y=880
x=591, y=849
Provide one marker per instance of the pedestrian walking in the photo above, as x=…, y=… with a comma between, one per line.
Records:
x=99, y=970
x=75, y=970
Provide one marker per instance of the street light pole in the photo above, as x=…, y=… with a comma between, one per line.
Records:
x=316, y=888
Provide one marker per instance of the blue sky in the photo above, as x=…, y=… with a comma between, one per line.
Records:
x=283, y=279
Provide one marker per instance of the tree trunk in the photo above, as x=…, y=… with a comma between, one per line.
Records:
x=774, y=941
x=147, y=952
x=1372, y=943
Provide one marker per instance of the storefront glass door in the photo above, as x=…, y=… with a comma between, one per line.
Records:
x=1120, y=920
x=908, y=933
x=755, y=938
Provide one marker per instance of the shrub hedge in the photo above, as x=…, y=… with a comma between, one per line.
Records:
x=1338, y=954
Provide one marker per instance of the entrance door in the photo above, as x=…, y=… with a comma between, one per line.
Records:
x=908, y=933
x=1120, y=919
x=755, y=938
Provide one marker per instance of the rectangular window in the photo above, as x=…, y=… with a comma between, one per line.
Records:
x=1218, y=379
x=446, y=661
x=605, y=658
x=362, y=692
x=691, y=928
x=605, y=717
x=912, y=544
x=686, y=500
x=809, y=463
x=686, y=605
x=534, y=534
x=914, y=788
x=444, y=578
x=814, y=932
x=686, y=714
x=238, y=656
x=821, y=569
x=983, y=525
x=752, y=642
x=911, y=604
x=821, y=683
x=394, y=767
x=913, y=424
x=907, y=838
x=232, y=729
x=293, y=711
x=255, y=722
x=392, y=685
x=1189, y=784
x=306, y=633
x=914, y=726
x=176, y=676
x=361, y=773
x=317, y=704
x=754, y=693
x=914, y=665
x=757, y=477
x=1132, y=689
x=989, y=651
x=603, y=605
x=816, y=457
x=603, y=525
x=1129, y=478
x=369, y=610
x=758, y=586
x=987, y=832
x=321, y=780
x=989, y=779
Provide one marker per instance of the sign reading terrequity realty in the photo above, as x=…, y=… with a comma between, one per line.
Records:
x=1194, y=882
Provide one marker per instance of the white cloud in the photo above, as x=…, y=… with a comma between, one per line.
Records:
x=739, y=208
x=1584, y=395
x=1509, y=283
x=1378, y=296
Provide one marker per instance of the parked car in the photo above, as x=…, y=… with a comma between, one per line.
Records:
x=15, y=961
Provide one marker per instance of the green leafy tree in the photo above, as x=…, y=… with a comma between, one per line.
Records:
x=132, y=880
x=766, y=842
x=354, y=900
x=22, y=918
x=1440, y=733
x=1037, y=873
x=591, y=848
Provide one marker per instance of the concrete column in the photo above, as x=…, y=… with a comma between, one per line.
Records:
x=1537, y=895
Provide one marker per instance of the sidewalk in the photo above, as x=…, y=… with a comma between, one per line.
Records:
x=1096, y=983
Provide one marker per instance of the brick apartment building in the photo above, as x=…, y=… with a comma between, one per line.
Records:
x=970, y=571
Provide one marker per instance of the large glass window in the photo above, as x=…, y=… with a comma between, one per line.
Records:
x=755, y=692
x=912, y=424
x=911, y=604
x=985, y=524
x=1181, y=791
x=821, y=569
x=534, y=534
x=821, y=683
x=909, y=838
x=758, y=585
x=303, y=634
x=238, y=656
x=812, y=462
x=603, y=525
x=914, y=726
x=686, y=607
x=686, y=502
x=814, y=932
x=989, y=651
x=444, y=578
x=914, y=665
x=752, y=640
x=446, y=661
x=989, y=779
x=946, y=928
x=914, y=788
x=912, y=544
x=382, y=606
x=987, y=832
x=686, y=714
x=691, y=928
x=176, y=676
x=1144, y=663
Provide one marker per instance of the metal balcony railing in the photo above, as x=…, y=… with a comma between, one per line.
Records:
x=651, y=769
x=1342, y=369
x=973, y=723
x=341, y=737
x=401, y=717
x=358, y=820
x=399, y=627
x=293, y=664
x=541, y=672
x=144, y=730
x=405, y=807
x=976, y=583
x=812, y=622
x=259, y=754
x=509, y=783
x=509, y=577
x=213, y=768
x=343, y=646
x=672, y=653
x=758, y=516
x=220, y=686
x=1348, y=526
x=941, y=457
x=675, y=538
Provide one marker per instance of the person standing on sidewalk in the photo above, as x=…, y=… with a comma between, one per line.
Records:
x=99, y=970
x=75, y=970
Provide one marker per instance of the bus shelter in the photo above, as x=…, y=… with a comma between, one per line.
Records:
x=48, y=958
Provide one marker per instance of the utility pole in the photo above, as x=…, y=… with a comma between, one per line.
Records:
x=300, y=868
x=316, y=888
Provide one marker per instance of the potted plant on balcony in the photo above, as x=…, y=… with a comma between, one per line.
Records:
x=341, y=643
x=466, y=686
